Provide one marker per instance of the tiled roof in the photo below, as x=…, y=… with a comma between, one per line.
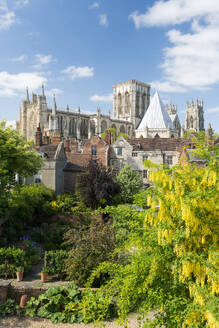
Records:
x=148, y=144
x=156, y=116
x=49, y=150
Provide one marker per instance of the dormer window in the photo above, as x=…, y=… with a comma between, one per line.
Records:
x=119, y=151
x=94, y=150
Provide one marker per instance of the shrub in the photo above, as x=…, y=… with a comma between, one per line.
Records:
x=29, y=204
x=66, y=202
x=10, y=259
x=54, y=261
x=90, y=246
x=9, y=307
x=130, y=183
x=97, y=186
x=60, y=304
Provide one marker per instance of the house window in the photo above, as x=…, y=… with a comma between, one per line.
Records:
x=134, y=154
x=37, y=178
x=169, y=160
x=144, y=158
x=93, y=150
x=119, y=151
x=145, y=174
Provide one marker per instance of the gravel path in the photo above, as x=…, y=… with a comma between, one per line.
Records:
x=15, y=322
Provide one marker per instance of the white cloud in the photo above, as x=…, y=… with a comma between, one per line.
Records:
x=213, y=110
x=19, y=59
x=173, y=12
x=167, y=87
x=191, y=60
x=55, y=91
x=103, y=20
x=105, y=98
x=42, y=60
x=94, y=5
x=7, y=17
x=20, y=3
x=12, y=84
x=74, y=72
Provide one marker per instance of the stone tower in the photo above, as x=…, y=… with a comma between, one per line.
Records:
x=130, y=101
x=194, y=116
x=32, y=114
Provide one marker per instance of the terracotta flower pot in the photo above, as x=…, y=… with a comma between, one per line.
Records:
x=44, y=276
x=23, y=300
x=19, y=276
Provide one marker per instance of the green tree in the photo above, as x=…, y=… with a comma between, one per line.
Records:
x=114, y=134
x=97, y=185
x=16, y=157
x=89, y=246
x=130, y=183
x=173, y=250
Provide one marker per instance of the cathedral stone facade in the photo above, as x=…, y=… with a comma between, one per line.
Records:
x=133, y=114
x=194, y=116
x=131, y=100
x=65, y=122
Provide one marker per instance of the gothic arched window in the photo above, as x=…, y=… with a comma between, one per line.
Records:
x=127, y=102
x=103, y=126
x=143, y=103
x=191, y=122
x=114, y=127
x=137, y=103
x=119, y=103
x=129, y=130
x=122, y=129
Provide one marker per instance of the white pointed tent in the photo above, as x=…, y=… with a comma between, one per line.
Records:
x=156, y=116
x=156, y=120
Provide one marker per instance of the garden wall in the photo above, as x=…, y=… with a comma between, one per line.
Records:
x=14, y=290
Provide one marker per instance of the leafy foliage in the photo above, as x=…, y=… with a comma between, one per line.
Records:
x=31, y=203
x=65, y=203
x=10, y=259
x=130, y=183
x=9, y=307
x=97, y=186
x=16, y=157
x=89, y=246
x=173, y=266
x=60, y=304
x=28, y=205
x=113, y=133
x=54, y=261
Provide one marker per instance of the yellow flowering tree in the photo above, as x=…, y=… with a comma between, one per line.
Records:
x=187, y=219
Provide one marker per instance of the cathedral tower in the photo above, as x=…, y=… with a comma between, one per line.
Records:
x=130, y=101
x=194, y=116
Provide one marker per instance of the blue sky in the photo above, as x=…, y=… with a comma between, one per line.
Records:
x=80, y=48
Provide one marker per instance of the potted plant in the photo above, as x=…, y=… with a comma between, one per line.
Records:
x=44, y=274
x=19, y=273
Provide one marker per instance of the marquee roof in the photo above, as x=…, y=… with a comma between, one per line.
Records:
x=156, y=116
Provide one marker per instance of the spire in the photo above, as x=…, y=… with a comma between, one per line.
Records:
x=54, y=105
x=43, y=91
x=27, y=95
x=67, y=108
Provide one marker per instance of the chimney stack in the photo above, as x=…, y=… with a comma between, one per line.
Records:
x=38, y=136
